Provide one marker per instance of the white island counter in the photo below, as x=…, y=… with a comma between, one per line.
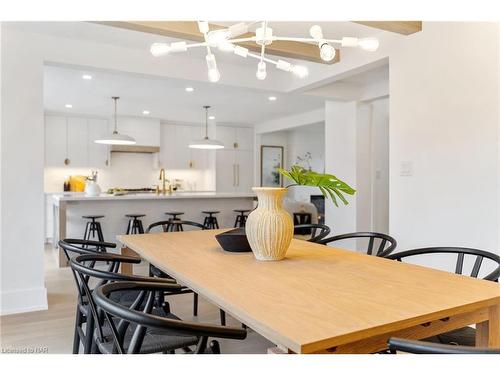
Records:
x=69, y=208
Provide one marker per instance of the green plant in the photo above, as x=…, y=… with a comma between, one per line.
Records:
x=328, y=184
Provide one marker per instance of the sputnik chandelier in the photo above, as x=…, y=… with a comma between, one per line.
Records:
x=227, y=39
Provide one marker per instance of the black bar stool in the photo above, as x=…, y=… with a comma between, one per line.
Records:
x=172, y=226
x=135, y=224
x=210, y=220
x=93, y=230
x=241, y=218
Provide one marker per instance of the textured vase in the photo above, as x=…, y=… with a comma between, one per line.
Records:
x=269, y=227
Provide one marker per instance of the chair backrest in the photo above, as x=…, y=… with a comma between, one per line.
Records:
x=386, y=245
x=139, y=315
x=461, y=252
x=318, y=231
x=73, y=247
x=165, y=223
x=421, y=347
x=84, y=266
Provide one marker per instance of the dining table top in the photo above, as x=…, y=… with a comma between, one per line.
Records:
x=318, y=297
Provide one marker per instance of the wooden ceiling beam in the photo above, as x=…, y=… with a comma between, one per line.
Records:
x=188, y=30
x=400, y=27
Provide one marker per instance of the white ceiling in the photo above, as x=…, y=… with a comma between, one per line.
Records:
x=165, y=98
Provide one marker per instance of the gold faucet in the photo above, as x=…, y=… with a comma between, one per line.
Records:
x=162, y=179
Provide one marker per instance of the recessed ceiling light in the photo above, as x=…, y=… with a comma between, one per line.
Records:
x=69, y=105
x=211, y=117
x=189, y=89
x=146, y=112
x=87, y=76
x=272, y=98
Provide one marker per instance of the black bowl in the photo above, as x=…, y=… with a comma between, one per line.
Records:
x=234, y=240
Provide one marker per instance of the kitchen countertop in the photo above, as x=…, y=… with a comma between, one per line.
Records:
x=69, y=197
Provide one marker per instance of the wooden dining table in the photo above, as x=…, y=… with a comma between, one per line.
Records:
x=321, y=299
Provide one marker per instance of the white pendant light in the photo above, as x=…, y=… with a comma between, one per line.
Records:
x=115, y=138
x=206, y=143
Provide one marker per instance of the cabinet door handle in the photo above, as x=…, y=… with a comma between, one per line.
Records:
x=234, y=175
x=238, y=175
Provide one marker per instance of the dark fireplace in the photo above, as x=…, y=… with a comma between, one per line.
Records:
x=319, y=202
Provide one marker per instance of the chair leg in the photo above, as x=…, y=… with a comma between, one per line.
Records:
x=128, y=228
x=89, y=335
x=195, y=304
x=76, y=338
x=222, y=317
x=141, y=228
x=216, y=223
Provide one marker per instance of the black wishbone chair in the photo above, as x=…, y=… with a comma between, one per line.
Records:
x=318, y=231
x=166, y=225
x=421, y=347
x=386, y=246
x=139, y=318
x=99, y=336
x=462, y=336
x=73, y=247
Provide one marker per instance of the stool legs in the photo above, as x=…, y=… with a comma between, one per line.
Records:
x=135, y=226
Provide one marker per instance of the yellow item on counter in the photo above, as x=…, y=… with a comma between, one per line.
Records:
x=77, y=183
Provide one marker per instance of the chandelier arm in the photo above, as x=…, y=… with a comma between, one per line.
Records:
x=266, y=59
x=241, y=40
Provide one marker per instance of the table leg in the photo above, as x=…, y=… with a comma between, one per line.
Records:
x=488, y=332
x=61, y=219
x=127, y=268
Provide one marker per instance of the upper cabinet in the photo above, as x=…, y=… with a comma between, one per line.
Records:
x=175, y=152
x=145, y=131
x=69, y=141
x=235, y=137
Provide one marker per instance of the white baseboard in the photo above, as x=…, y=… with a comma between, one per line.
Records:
x=23, y=300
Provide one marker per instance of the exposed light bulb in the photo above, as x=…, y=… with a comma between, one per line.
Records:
x=300, y=71
x=369, y=44
x=326, y=52
x=226, y=46
x=213, y=75
x=315, y=32
x=216, y=37
x=211, y=117
x=159, y=49
x=261, y=70
x=88, y=77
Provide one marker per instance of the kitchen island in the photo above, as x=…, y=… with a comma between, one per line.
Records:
x=68, y=209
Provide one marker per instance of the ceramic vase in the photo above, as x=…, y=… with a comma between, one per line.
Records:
x=269, y=227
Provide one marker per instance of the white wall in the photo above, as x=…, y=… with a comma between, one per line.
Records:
x=340, y=160
x=22, y=277
x=444, y=119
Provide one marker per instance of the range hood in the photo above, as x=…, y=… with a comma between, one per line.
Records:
x=135, y=148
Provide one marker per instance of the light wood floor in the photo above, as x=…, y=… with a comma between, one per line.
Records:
x=52, y=329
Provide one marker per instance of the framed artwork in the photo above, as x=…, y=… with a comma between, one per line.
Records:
x=271, y=158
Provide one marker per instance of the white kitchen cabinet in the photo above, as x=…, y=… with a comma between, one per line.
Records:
x=146, y=132
x=175, y=152
x=244, y=171
x=245, y=138
x=225, y=169
x=66, y=141
x=98, y=153
x=199, y=158
x=77, y=133
x=234, y=170
x=235, y=137
x=55, y=141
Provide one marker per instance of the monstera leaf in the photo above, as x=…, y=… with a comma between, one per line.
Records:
x=329, y=185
